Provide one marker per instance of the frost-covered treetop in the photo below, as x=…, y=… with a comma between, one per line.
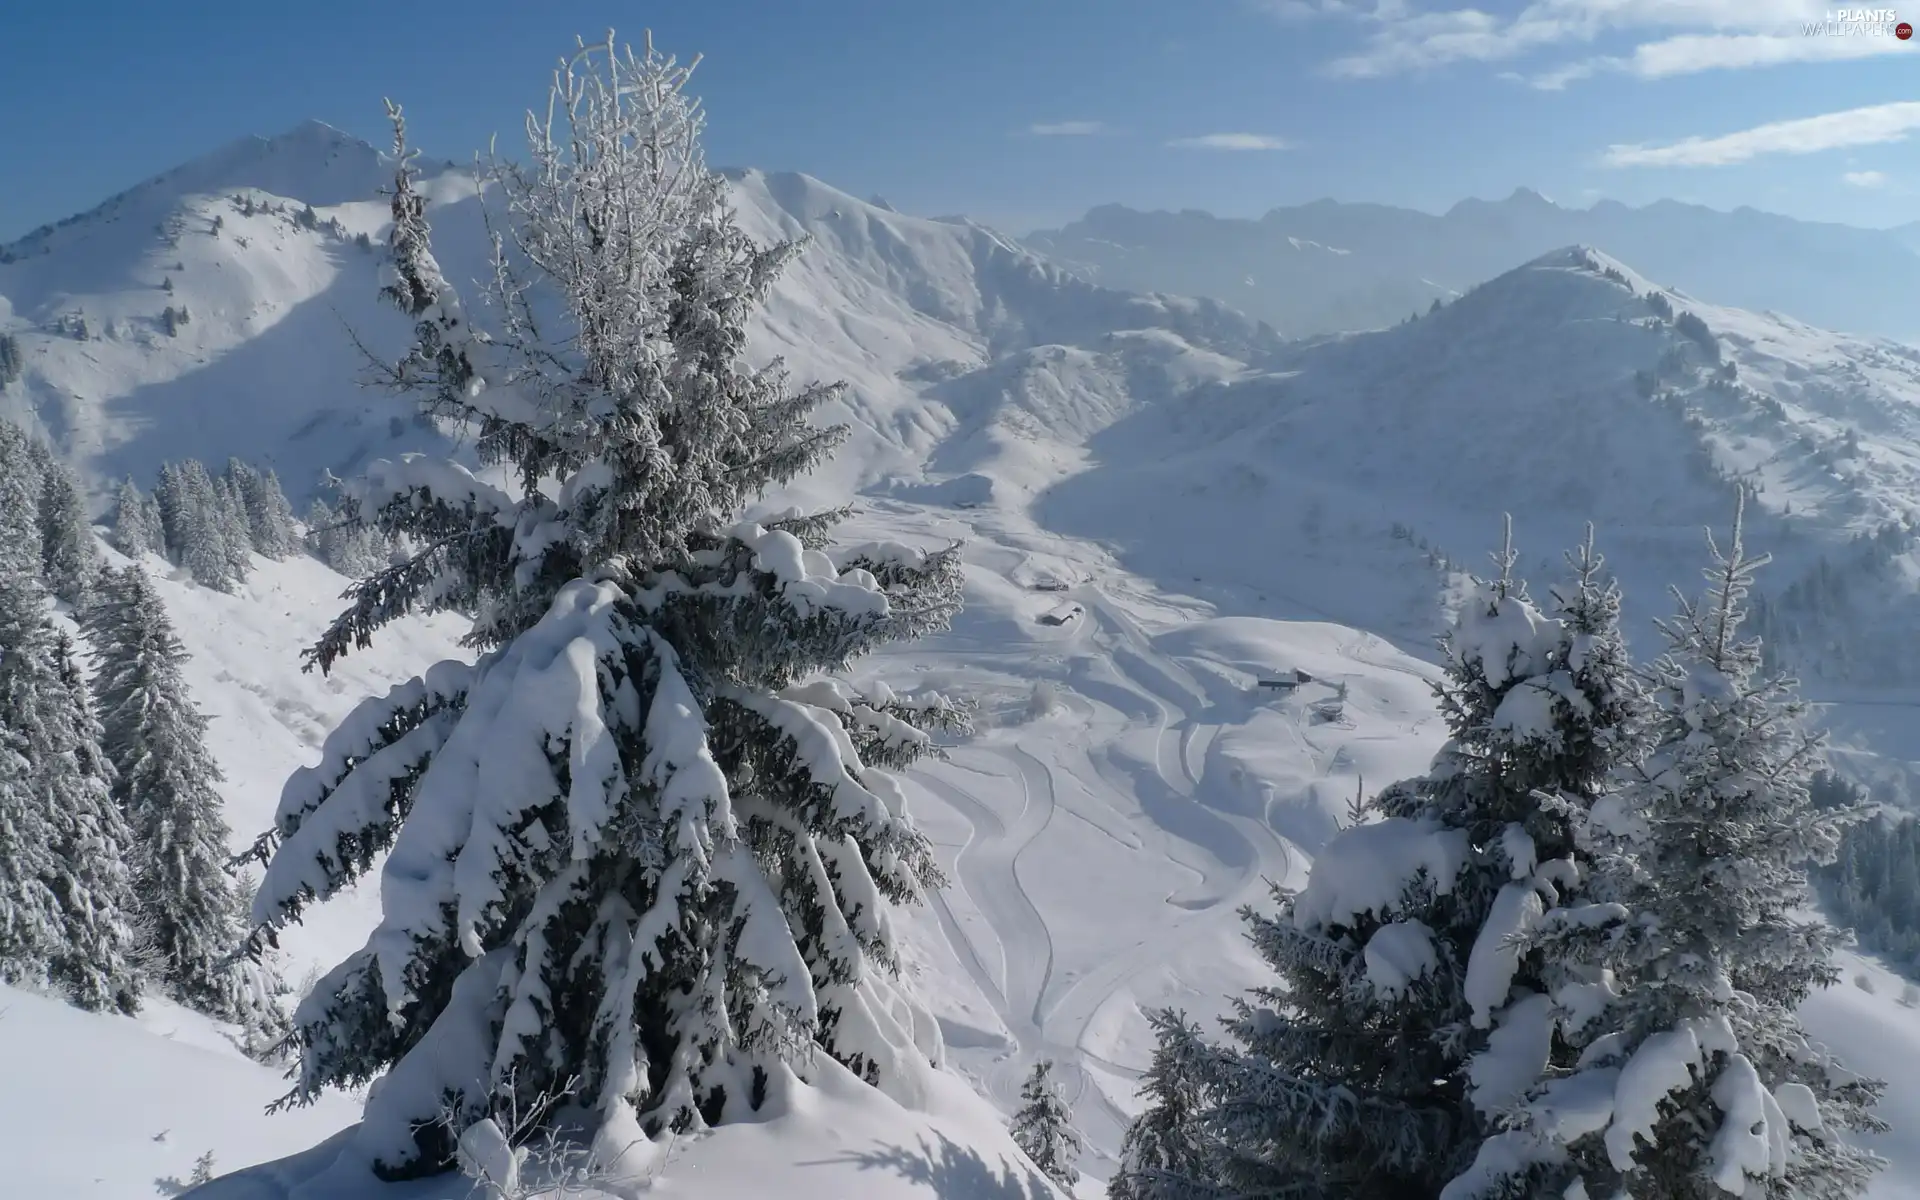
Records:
x=612, y=383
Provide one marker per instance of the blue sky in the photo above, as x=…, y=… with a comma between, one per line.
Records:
x=1026, y=112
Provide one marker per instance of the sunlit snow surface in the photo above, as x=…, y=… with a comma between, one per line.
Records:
x=1161, y=465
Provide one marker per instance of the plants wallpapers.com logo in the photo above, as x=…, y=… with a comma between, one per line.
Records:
x=1860, y=22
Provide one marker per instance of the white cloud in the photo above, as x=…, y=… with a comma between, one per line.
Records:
x=1807, y=135
x=1232, y=141
x=1067, y=128
x=1692, y=53
x=1864, y=179
x=1424, y=40
x=1307, y=10
x=1680, y=36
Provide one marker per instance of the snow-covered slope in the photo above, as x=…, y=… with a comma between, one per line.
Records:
x=1162, y=504
x=1130, y=787
x=268, y=363
x=263, y=364
x=1556, y=392
x=1330, y=266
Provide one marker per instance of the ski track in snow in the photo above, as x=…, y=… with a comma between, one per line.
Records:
x=1139, y=774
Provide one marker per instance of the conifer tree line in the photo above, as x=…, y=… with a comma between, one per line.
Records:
x=114, y=858
x=350, y=546
x=66, y=895
x=210, y=525
x=1565, y=962
x=1873, y=884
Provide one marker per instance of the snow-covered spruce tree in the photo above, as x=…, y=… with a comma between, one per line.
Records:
x=12, y=363
x=41, y=460
x=236, y=531
x=1700, y=1081
x=156, y=525
x=642, y=852
x=1163, y=1153
x=1408, y=1018
x=319, y=521
x=30, y=932
x=30, y=919
x=19, y=500
x=69, y=897
x=67, y=555
x=166, y=783
x=1043, y=1127
x=198, y=525
x=344, y=542
x=170, y=502
x=133, y=533
x=269, y=516
x=104, y=953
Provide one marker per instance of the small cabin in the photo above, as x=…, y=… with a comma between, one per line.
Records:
x=1061, y=615
x=1285, y=681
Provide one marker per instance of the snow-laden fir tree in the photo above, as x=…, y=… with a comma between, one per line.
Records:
x=1697, y=1079
x=134, y=532
x=348, y=545
x=166, y=783
x=1408, y=1017
x=104, y=956
x=236, y=531
x=63, y=889
x=19, y=501
x=30, y=919
x=642, y=852
x=167, y=489
x=40, y=460
x=320, y=522
x=269, y=517
x=12, y=362
x=199, y=525
x=272, y=517
x=1043, y=1127
x=68, y=559
x=1163, y=1153
x=66, y=898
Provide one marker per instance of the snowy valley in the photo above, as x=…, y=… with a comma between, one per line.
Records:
x=1163, y=508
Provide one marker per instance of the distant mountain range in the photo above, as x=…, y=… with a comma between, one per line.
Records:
x=985, y=376
x=1329, y=267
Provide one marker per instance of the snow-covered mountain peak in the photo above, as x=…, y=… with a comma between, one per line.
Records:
x=313, y=162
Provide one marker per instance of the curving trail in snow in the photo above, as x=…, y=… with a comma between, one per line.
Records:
x=1109, y=845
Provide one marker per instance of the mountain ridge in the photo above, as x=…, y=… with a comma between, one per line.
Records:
x=1399, y=260
x=981, y=374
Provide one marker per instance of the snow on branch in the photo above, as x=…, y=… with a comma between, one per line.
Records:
x=1369, y=869
x=421, y=481
x=339, y=817
x=823, y=753
x=355, y=823
x=532, y=736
